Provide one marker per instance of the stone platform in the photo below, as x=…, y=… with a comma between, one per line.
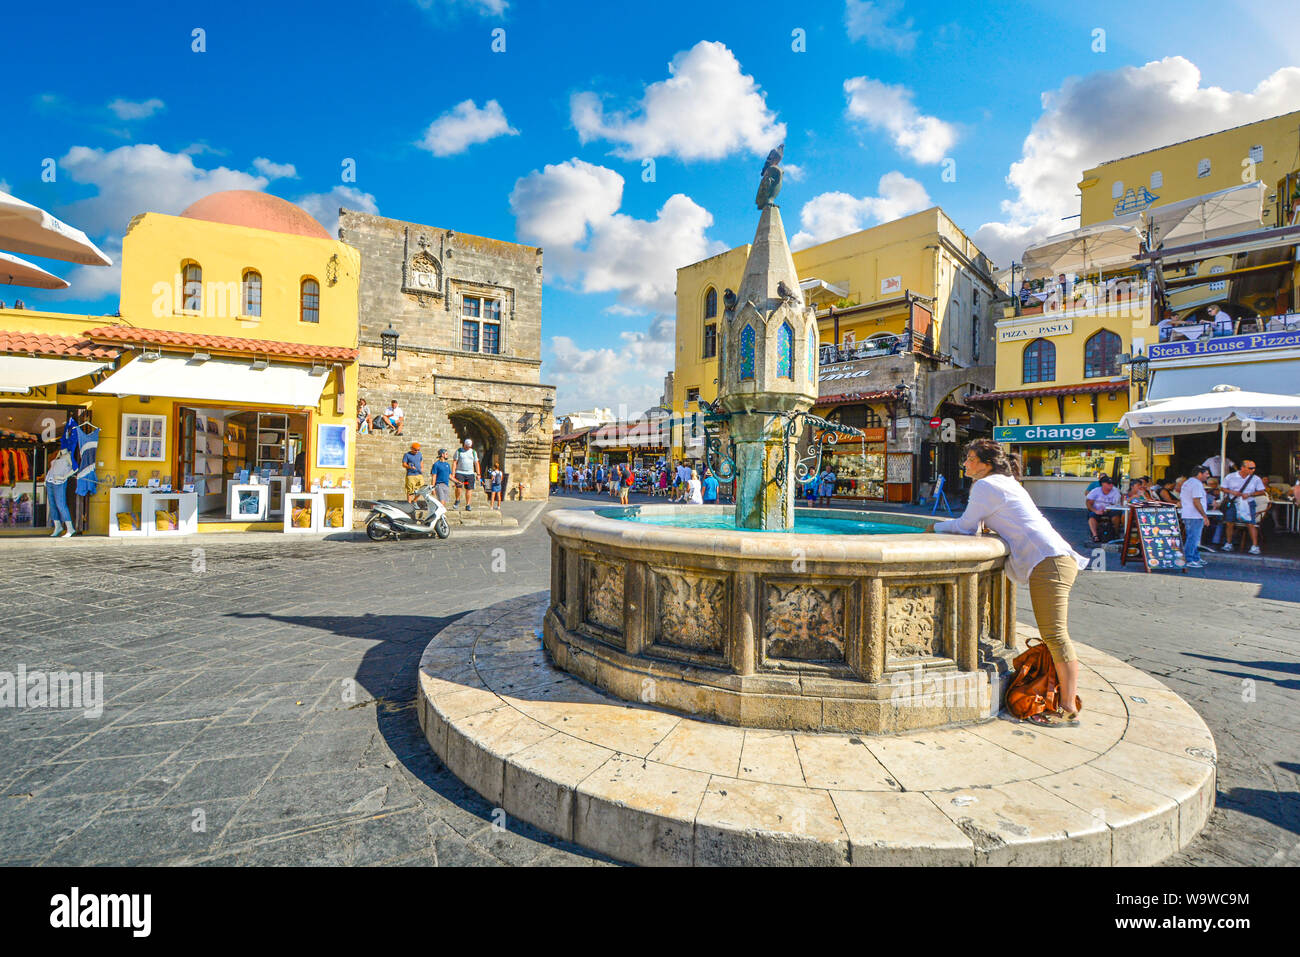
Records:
x=1131, y=784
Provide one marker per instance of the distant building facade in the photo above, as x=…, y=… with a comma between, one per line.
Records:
x=468, y=314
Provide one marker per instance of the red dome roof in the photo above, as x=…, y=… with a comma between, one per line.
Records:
x=246, y=207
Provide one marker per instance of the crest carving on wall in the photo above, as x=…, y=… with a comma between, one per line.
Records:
x=422, y=273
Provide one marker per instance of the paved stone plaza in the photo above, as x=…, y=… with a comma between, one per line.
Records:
x=271, y=687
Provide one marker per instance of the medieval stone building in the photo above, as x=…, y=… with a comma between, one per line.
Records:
x=468, y=315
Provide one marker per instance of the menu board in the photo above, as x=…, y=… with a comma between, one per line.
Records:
x=1155, y=534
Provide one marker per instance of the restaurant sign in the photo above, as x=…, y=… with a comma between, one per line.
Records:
x=1225, y=345
x=1036, y=330
x=1070, y=432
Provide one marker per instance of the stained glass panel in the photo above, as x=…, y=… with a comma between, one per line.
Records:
x=747, y=353
x=785, y=351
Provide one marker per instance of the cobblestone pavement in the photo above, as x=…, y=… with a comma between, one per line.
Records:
x=264, y=689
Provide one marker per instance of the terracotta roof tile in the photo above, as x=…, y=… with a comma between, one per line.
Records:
x=842, y=397
x=1112, y=385
x=198, y=340
x=40, y=344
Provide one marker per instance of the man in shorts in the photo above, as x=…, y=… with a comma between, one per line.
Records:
x=440, y=475
x=413, y=462
x=466, y=466
x=1239, y=490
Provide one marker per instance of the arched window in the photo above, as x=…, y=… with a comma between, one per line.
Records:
x=1101, y=354
x=1040, y=361
x=309, y=310
x=711, y=303
x=192, y=274
x=252, y=298
x=747, y=352
x=785, y=351
x=812, y=351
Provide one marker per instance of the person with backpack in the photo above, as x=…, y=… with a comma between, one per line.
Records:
x=466, y=466
x=626, y=480
x=1037, y=556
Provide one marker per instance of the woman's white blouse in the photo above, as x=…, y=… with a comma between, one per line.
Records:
x=1001, y=504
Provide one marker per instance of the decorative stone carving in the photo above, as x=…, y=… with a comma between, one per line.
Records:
x=604, y=596
x=423, y=275
x=692, y=611
x=804, y=622
x=915, y=620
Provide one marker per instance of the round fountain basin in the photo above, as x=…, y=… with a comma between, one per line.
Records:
x=723, y=520
x=854, y=621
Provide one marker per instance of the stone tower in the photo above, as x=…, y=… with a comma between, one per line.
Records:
x=769, y=353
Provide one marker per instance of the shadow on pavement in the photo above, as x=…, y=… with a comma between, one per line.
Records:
x=388, y=673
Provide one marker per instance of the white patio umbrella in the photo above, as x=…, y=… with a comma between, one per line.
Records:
x=1223, y=407
x=19, y=272
x=1081, y=251
x=25, y=228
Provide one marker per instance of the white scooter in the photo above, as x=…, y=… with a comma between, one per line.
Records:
x=390, y=519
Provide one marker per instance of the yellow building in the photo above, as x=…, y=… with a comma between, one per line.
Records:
x=905, y=315
x=1060, y=391
x=1264, y=152
x=232, y=363
x=863, y=285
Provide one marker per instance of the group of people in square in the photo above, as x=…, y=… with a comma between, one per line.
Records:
x=1204, y=497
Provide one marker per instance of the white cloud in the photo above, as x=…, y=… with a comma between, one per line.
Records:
x=272, y=170
x=706, y=109
x=571, y=210
x=631, y=375
x=89, y=283
x=464, y=125
x=1110, y=114
x=4, y=186
x=130, y=110
x=870, y=22
x=793, y=173
x=831, y=215
x=881, y=106
x=141, y=178
x=324, y=207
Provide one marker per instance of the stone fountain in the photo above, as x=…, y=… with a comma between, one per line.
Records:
x=759, y=623
x=826, y=630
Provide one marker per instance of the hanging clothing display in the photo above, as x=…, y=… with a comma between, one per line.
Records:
x=87, y=447
x=68, y=440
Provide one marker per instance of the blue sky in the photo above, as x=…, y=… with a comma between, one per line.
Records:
x=547, y=141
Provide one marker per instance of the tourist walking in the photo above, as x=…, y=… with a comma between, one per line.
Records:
x=467, y=468
x=555, y=477
x=827, y=485
x=495, y=478
x=1192, y=499
x=413, y=462
x=663, y=481
x=440, y=476
x=568, y=477
x=694, y=493
x=1240, y=488
x=1038, y=556
x=710, y=488
x=626, y=480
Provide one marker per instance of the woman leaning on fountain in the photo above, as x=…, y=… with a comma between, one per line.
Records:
x=1038, y=554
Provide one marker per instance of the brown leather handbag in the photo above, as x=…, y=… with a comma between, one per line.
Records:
x=1034, y=689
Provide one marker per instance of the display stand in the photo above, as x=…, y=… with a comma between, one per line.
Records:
x=308, y=499
x=278, y=488
x=186, y=506
x=1154, y=535
x=129, y=500
x=232, y=502
x=335, y=498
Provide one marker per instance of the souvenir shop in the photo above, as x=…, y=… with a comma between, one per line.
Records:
x=31, y=437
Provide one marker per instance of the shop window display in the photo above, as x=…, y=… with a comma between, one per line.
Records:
x=1071, y=461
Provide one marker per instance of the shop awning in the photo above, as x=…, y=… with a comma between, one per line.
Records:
x=219, y=380
x=20, y=373
x=1081, y=251
x=19, y=272
x=25, y=228
x=1278, y=377
x=1207, y=411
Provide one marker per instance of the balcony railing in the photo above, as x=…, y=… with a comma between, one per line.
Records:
x=1118, y=297
x=878, y=345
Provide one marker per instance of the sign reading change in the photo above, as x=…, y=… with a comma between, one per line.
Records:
x=1071, y=432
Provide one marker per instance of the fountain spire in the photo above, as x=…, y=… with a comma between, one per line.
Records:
x=769, y=349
